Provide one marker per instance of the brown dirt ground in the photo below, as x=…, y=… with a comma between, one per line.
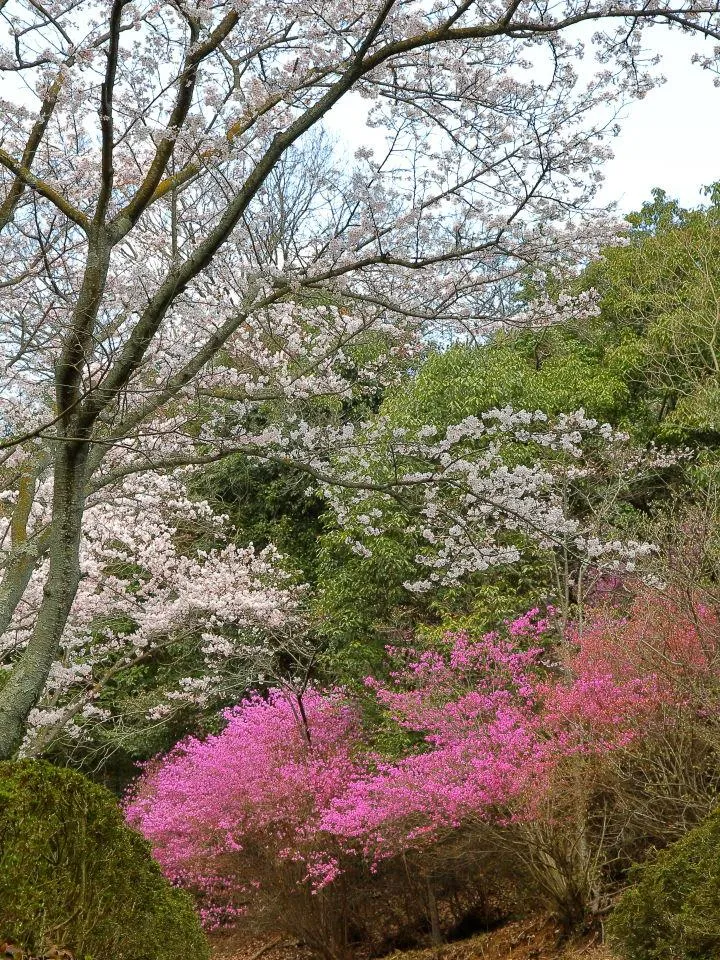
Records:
x=240, y=945
x=533, y=939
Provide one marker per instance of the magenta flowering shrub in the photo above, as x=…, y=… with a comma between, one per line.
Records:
x=498, y=717
x=257, y=790
x=478, y=710
x=293, y=788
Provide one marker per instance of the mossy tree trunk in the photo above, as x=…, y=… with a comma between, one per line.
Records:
x=29, y=676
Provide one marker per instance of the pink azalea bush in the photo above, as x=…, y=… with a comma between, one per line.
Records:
x=497, y=719
x=476, y=706
x=262, y=784
x=492, y=724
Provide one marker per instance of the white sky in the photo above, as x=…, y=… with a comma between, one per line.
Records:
x=671, y=139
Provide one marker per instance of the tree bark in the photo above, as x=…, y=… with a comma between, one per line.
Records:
x=435, y=933
x=28, y=678
x=17, y=577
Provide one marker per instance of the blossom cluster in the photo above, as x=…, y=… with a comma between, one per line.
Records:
x=490, y=725
x=475, y=494
x=141, y=591
x=264, y=783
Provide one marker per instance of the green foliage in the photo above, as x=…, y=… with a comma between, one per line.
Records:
x=660, y=295
x=554, y=371
x=73, y=874
x=362, y=603
x=672, y=911
x=268, y=503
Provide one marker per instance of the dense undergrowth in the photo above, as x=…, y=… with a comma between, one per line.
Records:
x=74, y=877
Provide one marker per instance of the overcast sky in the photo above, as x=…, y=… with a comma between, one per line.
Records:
x=671, y=139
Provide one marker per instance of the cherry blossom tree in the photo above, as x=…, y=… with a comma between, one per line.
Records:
x=482, y=491
x=148, y=308
x=141, y=595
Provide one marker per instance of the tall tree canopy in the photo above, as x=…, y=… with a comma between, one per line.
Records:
x=154, y=286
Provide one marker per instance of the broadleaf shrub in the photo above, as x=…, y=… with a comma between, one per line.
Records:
x=672, y=911
x=73, y=874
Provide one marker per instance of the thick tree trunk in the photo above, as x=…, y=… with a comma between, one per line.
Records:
x=28, y=677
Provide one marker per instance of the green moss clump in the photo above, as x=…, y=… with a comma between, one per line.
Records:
x=672, y=910
x=73, y=874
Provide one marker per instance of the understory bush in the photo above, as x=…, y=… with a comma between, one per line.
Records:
x=411, y=900
x=672, y=910
x=517, y=758
x=73, y=874
x=238, y=819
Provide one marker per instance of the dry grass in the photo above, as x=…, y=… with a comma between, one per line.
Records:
x=533, y=939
